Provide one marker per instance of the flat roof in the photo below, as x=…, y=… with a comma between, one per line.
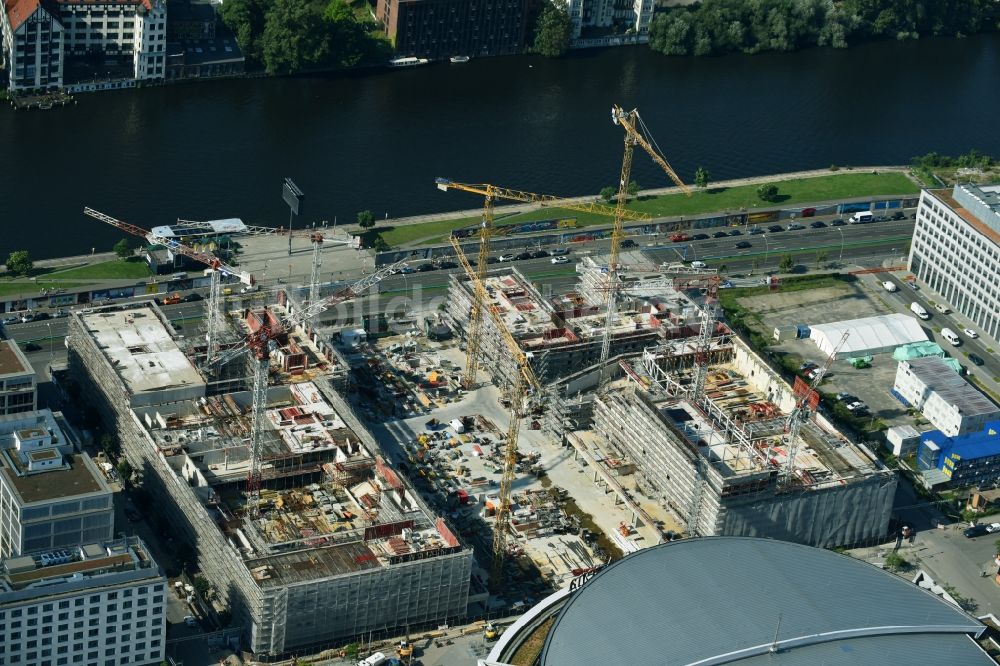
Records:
x=938, y=376
x=12, y=360
x=756, y=601
x=141, y=349
x=81, y=478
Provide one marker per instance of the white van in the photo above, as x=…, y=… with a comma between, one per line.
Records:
x=862, y=217
x=457, y=425
x=918, y=310
x=376, y=659
x=951, y=337
x=890, y=286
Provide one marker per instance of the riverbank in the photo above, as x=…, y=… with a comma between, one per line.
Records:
x=723, y=197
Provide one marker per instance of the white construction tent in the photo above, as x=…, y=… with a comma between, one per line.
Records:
x=869, y=335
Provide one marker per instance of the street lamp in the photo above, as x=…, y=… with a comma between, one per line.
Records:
x=767, y=250
x=51, y=350
x=841, y=244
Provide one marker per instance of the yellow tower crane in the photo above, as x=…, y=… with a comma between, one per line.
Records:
x=635, y=135
x=490, y=194
x=525, y=382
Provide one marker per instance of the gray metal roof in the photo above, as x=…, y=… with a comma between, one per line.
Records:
x=721, y=600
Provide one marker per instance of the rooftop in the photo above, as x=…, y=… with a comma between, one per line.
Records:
x=142, y=351
x=783, y=604
x=880, y=331
x=45, y=570
x=938, y=376
x=80, y=478
x=982, y=444
x=12, y=360
x=957, y=200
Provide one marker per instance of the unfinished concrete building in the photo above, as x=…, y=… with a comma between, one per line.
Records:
x=341, y=545
x=562, y=335
x=720, y=463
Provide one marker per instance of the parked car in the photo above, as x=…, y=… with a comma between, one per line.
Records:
x=11, y=320
x=775, y=228
x=699, y=237
x=970, y=333
x=976, y=359
x=26, y=317
x=857, y=406
x=755, y=231
x=32, y=347
x=192, y=297
x=980, y=529
x=942, y=308
x=837, y=223
x=406, y=270
x=880, y=218
x=628, y=242
x=522, y=256
x=898, y=215
x=795, y=226
x=719, y=234
x=560, y=260
x=492, y=260
x=447, y=265
x=818, y=224
x=423, y=268
x=806, y=365
x=42, y=316
x=506, y=257
x=539, y=254
x=735, y=232
x=697, y=264
x=744, y=244
x=846, y=397
x=559, y=251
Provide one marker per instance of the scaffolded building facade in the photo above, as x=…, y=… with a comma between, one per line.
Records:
x=339, y=544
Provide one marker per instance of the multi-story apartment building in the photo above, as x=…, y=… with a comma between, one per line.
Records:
x=18, y=391
x=956, y=250
x=443, y=28
x=40, y=36
x=50, y=497
x=98, y=604
x=952, y=404
x=33, y=46
x=623, y=16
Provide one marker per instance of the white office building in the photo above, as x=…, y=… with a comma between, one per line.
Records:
x=956, y=251
x=18, y=388
x=50, y=496
x=100, y=604
x=949, y=402
x=32, y=45
x=631, y=17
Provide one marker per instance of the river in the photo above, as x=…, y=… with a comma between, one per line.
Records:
x=377, y=140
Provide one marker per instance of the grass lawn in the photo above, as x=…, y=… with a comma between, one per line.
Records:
x=8, y=288
x=107, y=270
x=845, y=185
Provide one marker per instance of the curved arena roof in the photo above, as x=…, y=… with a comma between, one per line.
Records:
x=756, y=602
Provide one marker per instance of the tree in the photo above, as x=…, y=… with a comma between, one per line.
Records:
x=820, y=258
x=608, y=193
x=108, y=445
x=895, y=561
x=295, y=37
x=380, y=244
x=633, y=188
x=768, y=192
x=19, y=262
x=201, y=586
x=123, y=249
x=246, y=18
x=787, y=263
x=366, y=220
x=552, y=34
x=124, y=470
x=701, y=177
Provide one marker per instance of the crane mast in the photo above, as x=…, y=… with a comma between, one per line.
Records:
x=524, y=382
x=631, y=123
x=804, y=407
x=490, y=194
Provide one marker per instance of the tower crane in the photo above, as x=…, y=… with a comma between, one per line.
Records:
x=805, y=406
x=635, y=135
x=490, y=194
x=525, y=382
x=213, y=326
x=258, y=343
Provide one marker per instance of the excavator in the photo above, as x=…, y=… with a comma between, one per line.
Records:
x=492, y=632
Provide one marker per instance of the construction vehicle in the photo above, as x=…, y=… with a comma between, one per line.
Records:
x=173, y=299
x=491, y=193
x=491, y=632
x=404, y=649
x=525, y=382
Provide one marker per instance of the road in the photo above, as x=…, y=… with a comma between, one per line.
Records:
x=956, y=322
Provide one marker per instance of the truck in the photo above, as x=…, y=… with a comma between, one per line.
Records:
x=890, y=286
x=918, y=309
x=862, y=217
x=172, y=299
